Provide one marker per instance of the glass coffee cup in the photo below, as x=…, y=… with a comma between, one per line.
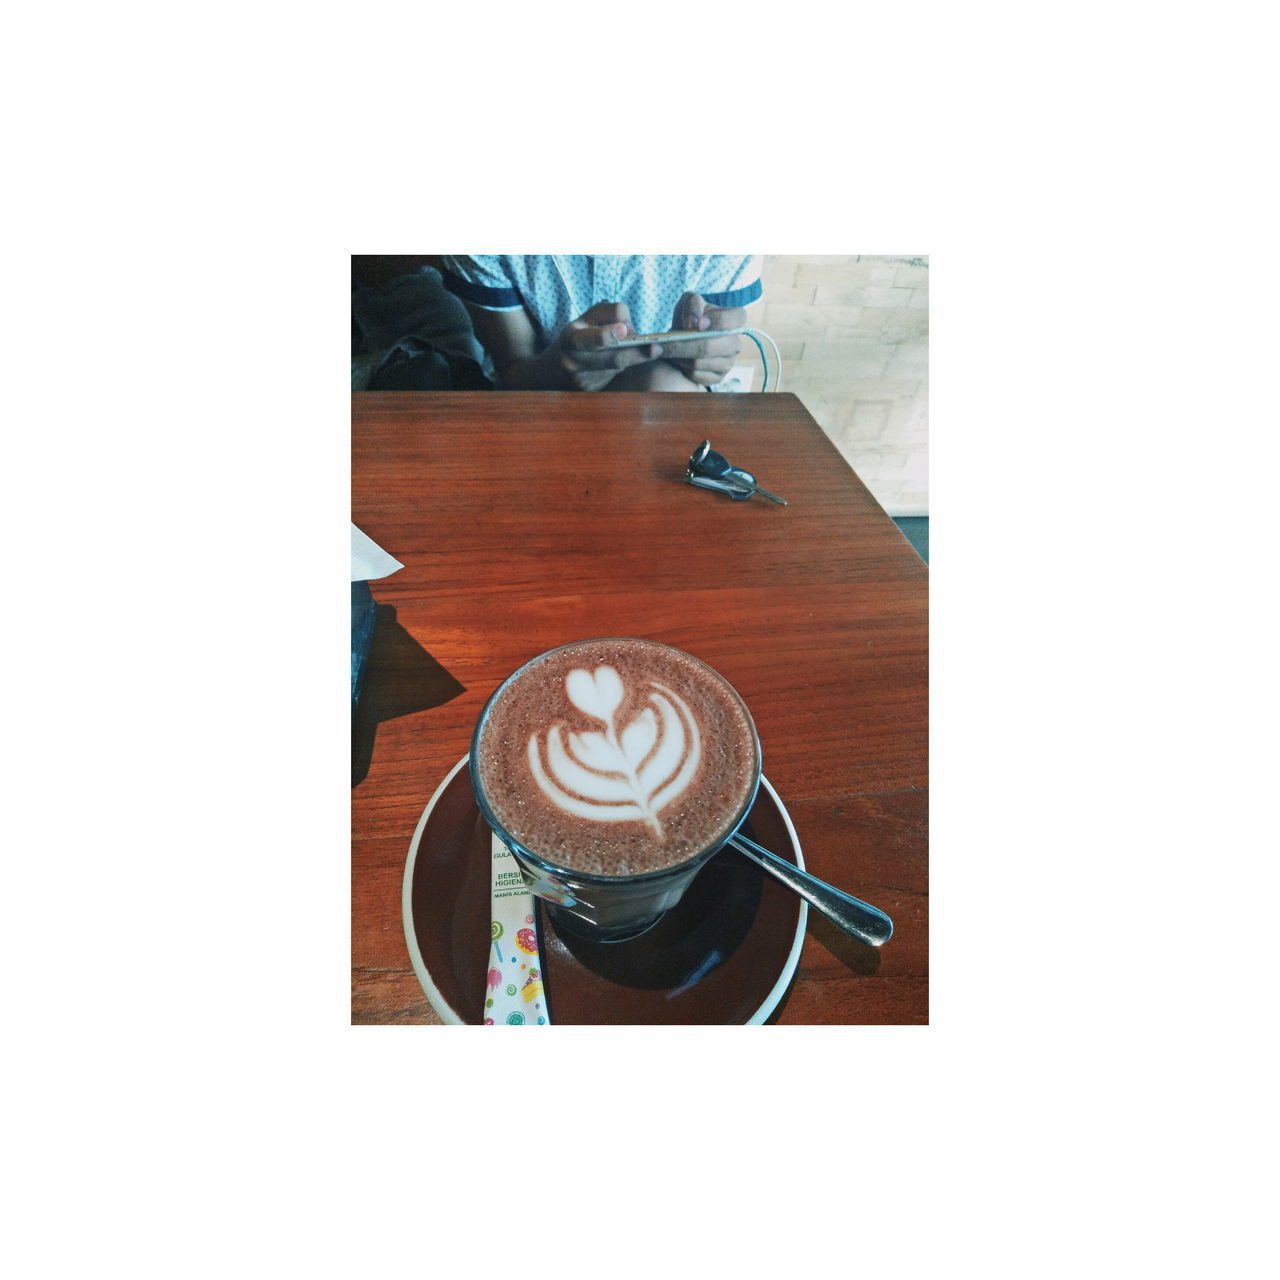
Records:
x=614, y=769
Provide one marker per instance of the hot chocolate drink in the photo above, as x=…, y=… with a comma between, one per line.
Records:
x=616, y=757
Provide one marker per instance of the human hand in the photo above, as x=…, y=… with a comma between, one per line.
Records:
x=586, y=351
x=709, y=362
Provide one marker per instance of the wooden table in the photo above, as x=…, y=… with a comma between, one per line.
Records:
x=525, y=520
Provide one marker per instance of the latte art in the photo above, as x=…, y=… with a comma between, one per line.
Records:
x=615, y=757
x=618, y=775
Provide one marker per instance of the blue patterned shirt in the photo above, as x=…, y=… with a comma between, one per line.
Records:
x=555, y=288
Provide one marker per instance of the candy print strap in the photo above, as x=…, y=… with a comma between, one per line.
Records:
x=514, y=993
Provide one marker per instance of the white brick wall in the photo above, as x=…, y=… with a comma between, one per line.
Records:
x=854, y=336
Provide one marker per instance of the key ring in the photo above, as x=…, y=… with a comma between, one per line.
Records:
x=711, y=470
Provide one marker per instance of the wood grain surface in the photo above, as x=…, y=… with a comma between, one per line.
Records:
x=526, y=520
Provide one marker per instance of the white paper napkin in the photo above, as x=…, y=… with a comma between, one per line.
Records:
x=515, y=996
x=368, y=560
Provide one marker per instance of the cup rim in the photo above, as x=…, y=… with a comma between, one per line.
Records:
x=569, y=874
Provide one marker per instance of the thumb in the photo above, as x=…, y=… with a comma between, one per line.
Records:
x=603, y=313
x=689, y=312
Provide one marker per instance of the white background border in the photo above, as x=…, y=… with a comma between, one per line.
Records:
x=1093, y=1094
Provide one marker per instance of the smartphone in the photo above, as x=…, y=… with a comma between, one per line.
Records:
x=666, y=339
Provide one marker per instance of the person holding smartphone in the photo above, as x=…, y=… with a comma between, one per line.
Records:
x=556, y=322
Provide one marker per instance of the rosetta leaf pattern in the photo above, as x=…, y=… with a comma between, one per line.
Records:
x=625, y=772
x=638, y=737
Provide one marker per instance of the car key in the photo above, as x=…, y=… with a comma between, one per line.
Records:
x=711, y=470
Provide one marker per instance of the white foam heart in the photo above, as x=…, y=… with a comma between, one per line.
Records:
x=598, y=693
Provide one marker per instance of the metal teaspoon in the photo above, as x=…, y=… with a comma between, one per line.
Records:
x=851, y=914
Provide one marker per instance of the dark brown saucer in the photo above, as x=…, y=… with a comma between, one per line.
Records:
x=725, y=954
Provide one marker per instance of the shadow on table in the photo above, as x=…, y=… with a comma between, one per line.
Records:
x=857, y=955
x=402, y=678
x=860, y=958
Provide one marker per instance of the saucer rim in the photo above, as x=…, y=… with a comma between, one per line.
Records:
x=450, y=1017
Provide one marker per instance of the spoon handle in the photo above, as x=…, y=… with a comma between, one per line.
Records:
x=852, y=914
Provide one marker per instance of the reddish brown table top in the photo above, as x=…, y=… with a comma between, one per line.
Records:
x=526, y=520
